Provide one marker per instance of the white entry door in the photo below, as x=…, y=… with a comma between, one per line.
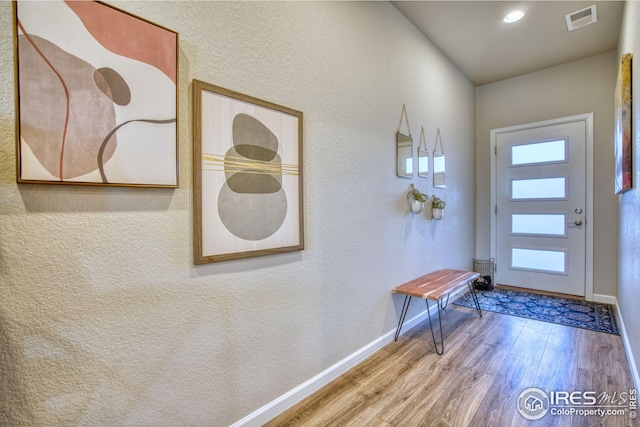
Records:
x=541, y=206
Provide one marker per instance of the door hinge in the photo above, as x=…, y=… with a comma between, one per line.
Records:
x=495, y=150
x=495, y=209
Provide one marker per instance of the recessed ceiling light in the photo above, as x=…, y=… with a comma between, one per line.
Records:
x=514, y=16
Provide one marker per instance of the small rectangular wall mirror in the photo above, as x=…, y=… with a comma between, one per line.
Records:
x=423, y=156
x=438, y=163
x=404, y=146
x=438, y=170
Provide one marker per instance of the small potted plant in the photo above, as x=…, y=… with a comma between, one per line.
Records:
x=437, y=207
x=416, y=199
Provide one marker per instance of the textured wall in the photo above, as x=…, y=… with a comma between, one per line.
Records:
x=578, y=87
x=629, y=211
x=104, y=319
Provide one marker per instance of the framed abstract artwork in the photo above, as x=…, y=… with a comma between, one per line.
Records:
x=247, y=176
x=96, y=96
x=622, y=141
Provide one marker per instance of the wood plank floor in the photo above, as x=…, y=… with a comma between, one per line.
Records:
x=487, y=363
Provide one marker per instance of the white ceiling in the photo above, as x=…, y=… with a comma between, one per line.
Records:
x=472, y=35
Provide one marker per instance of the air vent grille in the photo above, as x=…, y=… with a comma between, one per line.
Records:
x=581, y=18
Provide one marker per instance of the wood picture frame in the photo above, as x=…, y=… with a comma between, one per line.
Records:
x=96, y=96
x=622, y=138
x=247, y=176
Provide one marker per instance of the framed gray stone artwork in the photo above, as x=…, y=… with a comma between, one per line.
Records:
x=247, y=176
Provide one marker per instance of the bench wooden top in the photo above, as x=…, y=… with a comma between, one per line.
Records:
x=435, y=285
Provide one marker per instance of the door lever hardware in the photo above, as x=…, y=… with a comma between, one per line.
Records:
x=577, y=222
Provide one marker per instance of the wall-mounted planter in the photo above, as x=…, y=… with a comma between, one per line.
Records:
x=437, y=207
x=416, y=200
x=416, y=206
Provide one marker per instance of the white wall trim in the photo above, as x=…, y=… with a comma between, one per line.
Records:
x=605, y=299
x=287, y=400
x=290, y=398
x=627, y=348
x=588, y=119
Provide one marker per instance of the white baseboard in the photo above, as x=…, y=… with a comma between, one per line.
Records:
x=608, y=299
x=604, y=299
x=627, y=348
x=287, y=400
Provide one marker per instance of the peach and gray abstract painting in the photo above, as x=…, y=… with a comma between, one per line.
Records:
x=97, y=95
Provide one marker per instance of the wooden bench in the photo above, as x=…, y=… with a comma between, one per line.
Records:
x=435, y=286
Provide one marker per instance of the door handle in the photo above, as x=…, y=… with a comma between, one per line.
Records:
x=577, y=222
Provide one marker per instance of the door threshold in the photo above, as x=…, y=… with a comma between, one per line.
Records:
x=536, y=291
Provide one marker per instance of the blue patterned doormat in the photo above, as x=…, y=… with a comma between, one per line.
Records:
x=564, y=311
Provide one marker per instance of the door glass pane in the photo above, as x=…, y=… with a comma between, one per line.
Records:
x=538, y=260
x=538, y=152
x=539, y=224
x=539, y=188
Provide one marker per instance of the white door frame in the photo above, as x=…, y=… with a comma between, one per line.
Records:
x=588, y=119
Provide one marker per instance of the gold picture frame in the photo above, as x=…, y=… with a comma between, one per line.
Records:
x=247, y=176
x=94, y=105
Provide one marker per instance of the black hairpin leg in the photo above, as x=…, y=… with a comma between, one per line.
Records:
x=440, y=352
x=403, y=314
x=445, y=304
x=475, y=297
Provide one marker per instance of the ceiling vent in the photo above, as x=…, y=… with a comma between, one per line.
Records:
x=582, y=18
